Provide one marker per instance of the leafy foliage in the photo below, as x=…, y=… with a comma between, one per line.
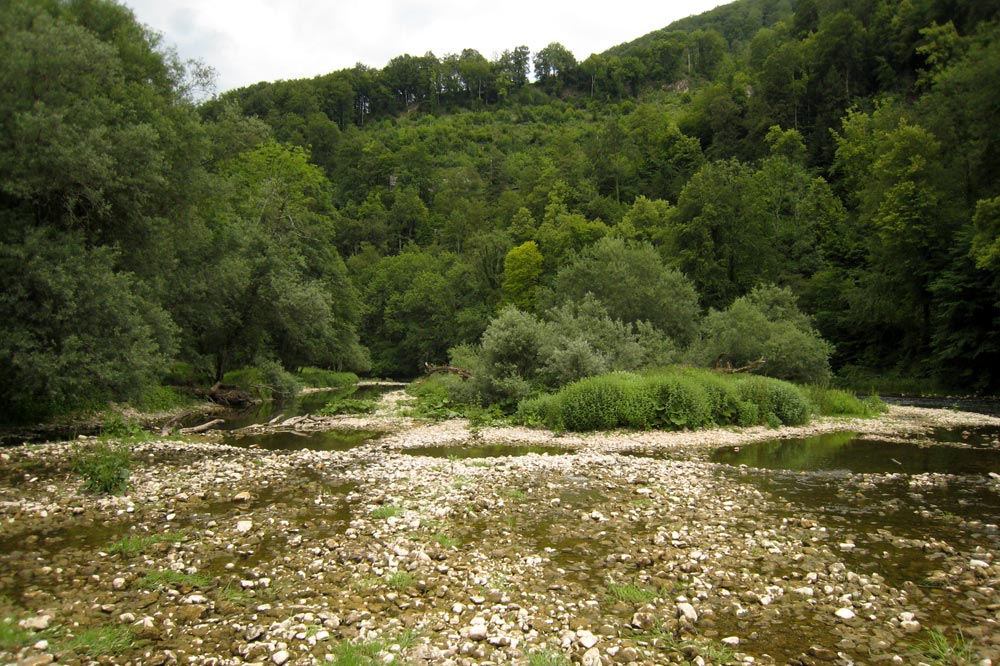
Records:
x=765, y=324
x=348, y=406
x=74, y=331
x=105, y=467
x=375, y=219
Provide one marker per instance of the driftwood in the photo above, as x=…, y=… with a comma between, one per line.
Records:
x=431, y=369
x=169, y=425
x=730, y=370
x=203, y=427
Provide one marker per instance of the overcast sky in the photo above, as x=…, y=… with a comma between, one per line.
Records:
x=264, y=40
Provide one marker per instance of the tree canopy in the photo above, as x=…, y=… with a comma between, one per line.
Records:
x=841, y=156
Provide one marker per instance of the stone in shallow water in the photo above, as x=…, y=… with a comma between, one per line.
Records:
x=688, y=612
x=36, y=623
x=643, y=620
x=243, y=526
x=477, y=632
x=845, y=614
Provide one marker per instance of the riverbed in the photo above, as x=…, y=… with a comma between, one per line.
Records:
x=439, y=543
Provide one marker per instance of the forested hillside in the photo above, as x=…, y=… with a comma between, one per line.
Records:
x=816, y=182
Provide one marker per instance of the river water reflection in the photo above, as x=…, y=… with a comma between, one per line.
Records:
x=850, y=452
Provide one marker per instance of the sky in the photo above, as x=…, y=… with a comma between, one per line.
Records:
x=247, y=41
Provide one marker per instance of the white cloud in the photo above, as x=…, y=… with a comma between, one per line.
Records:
x=263, y=40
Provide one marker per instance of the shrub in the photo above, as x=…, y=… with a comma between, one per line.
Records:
x=606, y=402
x=117, y=427
x=765, y=324
x=747, y=414
x=723, y=398
x=340, y=406
x=789, y=404
x=278, y=381
x=104, y=467
x=680, y=402
x=541, y=410
x=775, y=398
x=669, y=398
x=161, y=399
x=319, y=378
x=266, y=378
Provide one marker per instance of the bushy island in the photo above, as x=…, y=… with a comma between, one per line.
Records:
x=672, y=398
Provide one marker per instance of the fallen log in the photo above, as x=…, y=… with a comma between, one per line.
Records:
x=202, y=428
x=730, y=370
x=169, y=425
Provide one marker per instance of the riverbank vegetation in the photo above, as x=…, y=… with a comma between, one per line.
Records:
x=670, y=398
x=811, y=184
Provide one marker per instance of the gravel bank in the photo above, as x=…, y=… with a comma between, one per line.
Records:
x=246, y=556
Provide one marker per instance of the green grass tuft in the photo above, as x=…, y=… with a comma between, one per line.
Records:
x=944, y=651
x=103, y=641
x=631, y=593
x=399, y=580
x=445, y=541
x=547, y=657
x=169, y=578
x=130, y=546
x=12, y=636
x=359, y=653
x=387, y=511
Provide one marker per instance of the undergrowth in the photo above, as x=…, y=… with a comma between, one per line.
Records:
x=105, y=467
x=339, y=406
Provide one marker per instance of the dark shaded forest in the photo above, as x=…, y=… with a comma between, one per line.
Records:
x=815, y=182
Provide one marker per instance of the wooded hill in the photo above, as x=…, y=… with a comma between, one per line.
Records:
x=843, y=151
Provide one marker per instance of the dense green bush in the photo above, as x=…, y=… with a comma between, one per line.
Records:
x=319, y=378
x=834, y=402
x=765, y=324
x=279, y=382
x=668, y=399
x=117, y=427
x=543, y=410
x=605, y=402
x=723, y=398
x=680, y=402
x=162, y=399
x=266, y=378
x=776, y=400
x=521, y=354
